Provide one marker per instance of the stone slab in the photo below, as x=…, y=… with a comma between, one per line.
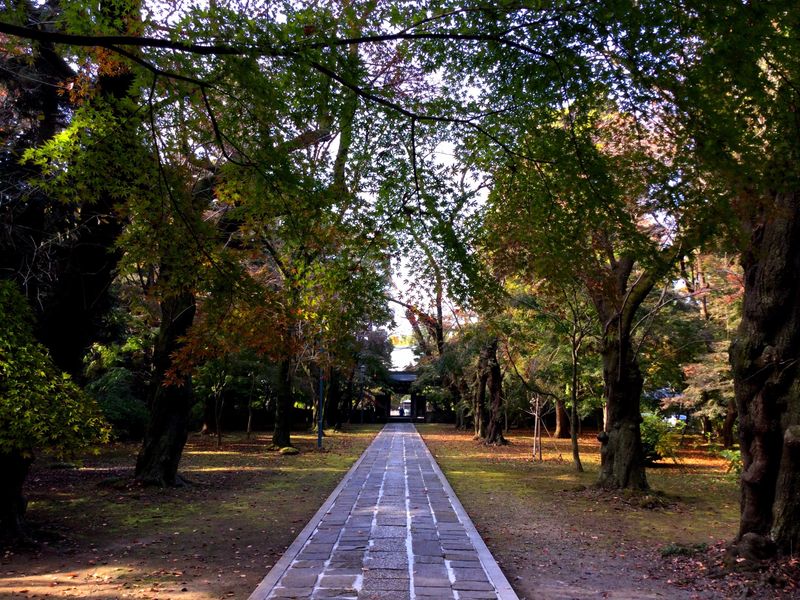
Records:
x=393, y=529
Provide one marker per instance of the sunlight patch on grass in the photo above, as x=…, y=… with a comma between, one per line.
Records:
x=244, y=506
x=210, y=453
x=231, y=469
x=699, y=504
x=105, y=469
x=101, y=582
x=307, y=469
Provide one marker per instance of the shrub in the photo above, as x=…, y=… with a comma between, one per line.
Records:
x=734, y=458
x=659, y=438
x=41, y=408
x=114, y=392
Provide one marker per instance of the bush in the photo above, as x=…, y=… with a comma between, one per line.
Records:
x=114, y=392
x=734, y=458
x=41, y=408
x=659, y=438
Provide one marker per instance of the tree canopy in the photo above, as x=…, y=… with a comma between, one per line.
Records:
x=242, y=177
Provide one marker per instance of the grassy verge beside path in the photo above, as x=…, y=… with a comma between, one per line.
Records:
x=556, y=536
x=106, y=537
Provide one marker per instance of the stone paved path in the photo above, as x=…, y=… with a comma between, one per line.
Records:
x=392, y=530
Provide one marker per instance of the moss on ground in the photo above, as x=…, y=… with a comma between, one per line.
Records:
x=549, y=502
x=108, y=537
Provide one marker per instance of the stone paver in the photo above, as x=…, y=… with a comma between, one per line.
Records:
x=392, y=530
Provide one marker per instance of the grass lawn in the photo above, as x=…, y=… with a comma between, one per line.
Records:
x=555, y=536
x=106, y=537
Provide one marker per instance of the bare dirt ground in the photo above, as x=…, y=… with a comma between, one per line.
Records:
x=557, y=538
x=103, y=537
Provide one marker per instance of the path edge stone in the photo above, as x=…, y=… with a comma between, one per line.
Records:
x=496, y=576
x=279, y=568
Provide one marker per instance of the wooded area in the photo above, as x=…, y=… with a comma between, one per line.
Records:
x=592, y=207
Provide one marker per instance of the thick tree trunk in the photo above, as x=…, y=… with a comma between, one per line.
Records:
x=730, y=421
x=14, y=467
x=562, y=421
x=282, y=434
x=621, y=453
x=616, y=302
x=494, y=425
x=764, y=357
x=170, y=406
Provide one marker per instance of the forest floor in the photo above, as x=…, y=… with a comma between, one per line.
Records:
x=557, y=537
x=103, y=537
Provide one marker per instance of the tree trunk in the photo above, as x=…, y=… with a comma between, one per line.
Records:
x=219, y=407
x=764, y=358
x=349, y=396
x=209, y=415
x=281, y=436
x=170, y=406
x=455, y=402
x=494, y=425
x=315, y=378
x=480, y=413
x=333, y=402
x=616, y=302
x=730, y=421
x=14, y=467
x=463, y=409
x=573, y=422
x=562, y=421
x=621, y=453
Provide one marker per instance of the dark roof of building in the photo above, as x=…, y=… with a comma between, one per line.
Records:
x=402, y=376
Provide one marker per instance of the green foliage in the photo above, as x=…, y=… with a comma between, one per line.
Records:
x=659, y=438
x=709, y=389
x=74, y=164
x=543, y=325
x=672, y=334
x=734, y=458
x=115, y=393
x=683, y=549
x=119, y=373
x=40, y=407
